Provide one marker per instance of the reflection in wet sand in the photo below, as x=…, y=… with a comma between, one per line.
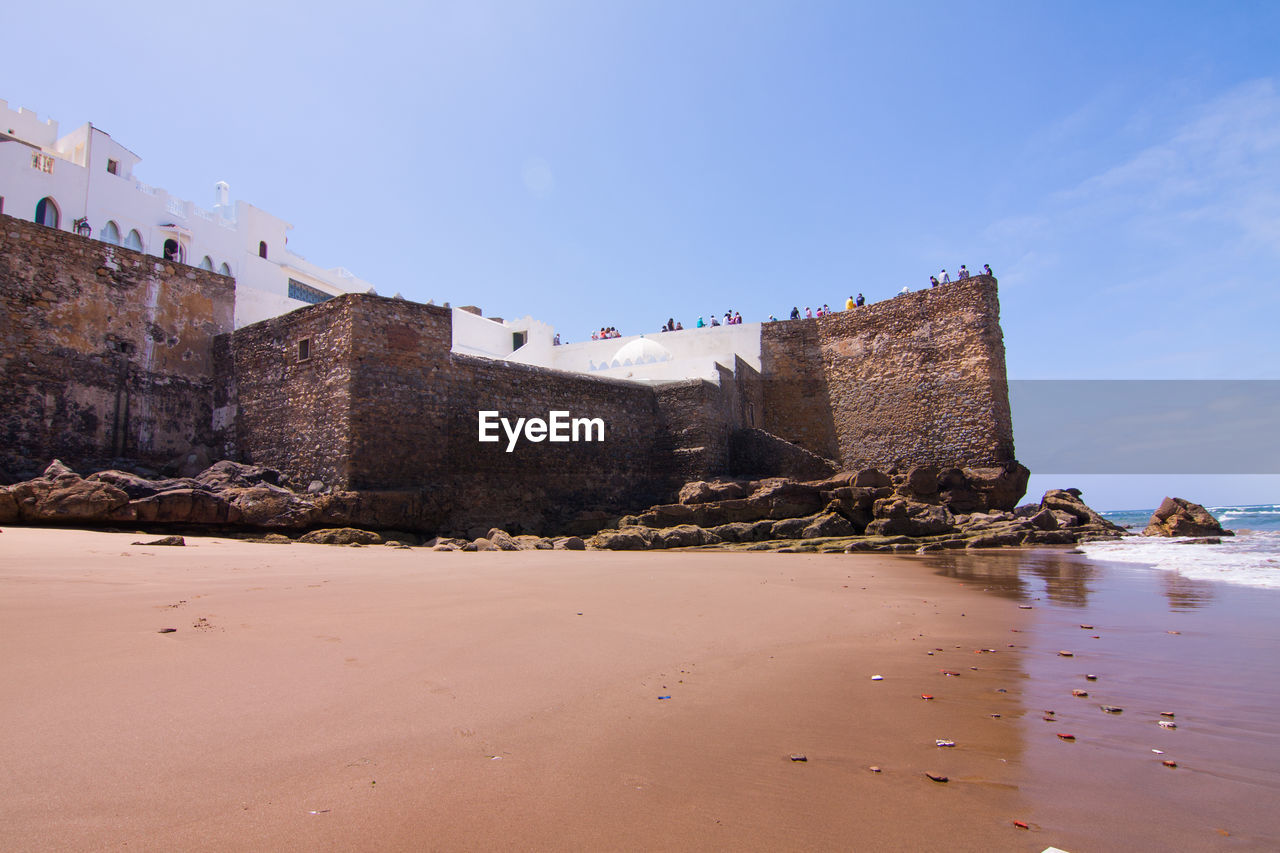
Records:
x=1067, y=576
x=1186, y=593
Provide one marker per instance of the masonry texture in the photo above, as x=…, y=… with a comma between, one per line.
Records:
x=109, y=353
x=917, y=379
x=104, y=352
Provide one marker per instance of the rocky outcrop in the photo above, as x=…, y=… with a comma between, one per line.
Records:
x=341, y=536
x=1179, y=517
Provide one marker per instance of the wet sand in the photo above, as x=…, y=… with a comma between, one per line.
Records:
x=1156, y=642
x=317, y=697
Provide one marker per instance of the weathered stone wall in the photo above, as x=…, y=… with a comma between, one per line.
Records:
x=104, y=352
x=283, y=410
x=917, y=379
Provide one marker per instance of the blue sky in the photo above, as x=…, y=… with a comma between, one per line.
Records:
x=616, y=163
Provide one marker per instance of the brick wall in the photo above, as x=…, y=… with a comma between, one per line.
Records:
x=104, y=352
x=919, y=378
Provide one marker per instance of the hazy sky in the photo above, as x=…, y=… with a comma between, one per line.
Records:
x=615, y=163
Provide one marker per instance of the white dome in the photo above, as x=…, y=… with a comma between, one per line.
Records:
x=641, y=351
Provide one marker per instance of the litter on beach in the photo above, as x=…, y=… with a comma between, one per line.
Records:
x=941, y=742
x=1165, y=724
x=1066, y=736
x=798, y=756
x=1079, y=692
x=1066, y=654
x=877, y=678
x=937, y=777
x=1111, y=709
x=926, y=695
x=1091, y=677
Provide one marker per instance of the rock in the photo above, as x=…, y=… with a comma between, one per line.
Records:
x=185, y=506
x=481, y=544
x=683, y=536
x=569, y=543
x=1203, y=540
x=1068, y=501
x=277, y=539
x=1044, y=520
x=872, y=479
x=619, y=540
x=827, y=524
x=1065, y=519
x=270, y=506
x=533, y=543
x=341, y=536
x=64, y=496
x=8, y=506
x=226, y=474
x=1002, y=487
x=788, y=499
x=900, y=517
x=1179, y=517
x=502, y=540
x=165, y=540
x=703, y=492
x=920, y=483
x=315, y=487
x=56, y=470
x=136, y=486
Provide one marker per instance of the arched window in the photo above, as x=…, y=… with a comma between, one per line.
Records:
x=223, y=269
x=207, y=263
x=111, y=233
x=47, y=212
x=175, y=251
x=133, y=241
x=262, y=248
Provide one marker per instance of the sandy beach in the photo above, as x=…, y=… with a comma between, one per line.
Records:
x=317, y=697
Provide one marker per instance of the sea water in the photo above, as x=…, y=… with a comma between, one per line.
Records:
x=1251, y=557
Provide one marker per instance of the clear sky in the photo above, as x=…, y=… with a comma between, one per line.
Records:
x=616, y=163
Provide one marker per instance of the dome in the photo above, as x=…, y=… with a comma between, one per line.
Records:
x=641, y=351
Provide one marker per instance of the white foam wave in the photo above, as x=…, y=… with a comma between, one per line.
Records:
x=1252, y=559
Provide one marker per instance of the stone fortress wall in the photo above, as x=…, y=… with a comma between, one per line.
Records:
x=365, y=394
x=104, y=352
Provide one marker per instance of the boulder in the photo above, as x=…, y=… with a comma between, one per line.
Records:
x=700, y=492
x=503, y=540
x=744, y=531
x=920, y=482
x=684, y=536
x=481, y=544
x=185, y=506
x=787, y=499
x=270, y=506
x=61, y=495
x=619, y=540
x=901, y=517
x=341, y=536
x=1072, y=512
x=828, y=524
x=137, y=486
x=1179, y=517
x=1044, y=520
x=872, y=479
x=1002, y=487
x=569, y=543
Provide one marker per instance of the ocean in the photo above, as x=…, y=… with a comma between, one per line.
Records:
x=1250, y=558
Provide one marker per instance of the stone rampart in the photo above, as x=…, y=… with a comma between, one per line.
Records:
x=917, y=379
x=104, y=352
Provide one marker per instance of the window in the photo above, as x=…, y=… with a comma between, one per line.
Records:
x=47, y=212
x=223, y=269
x=111, y=233
x=207, y=263
x=518, y=339
x=306, y=293
x=304, y=349
x=175, y=251
x=133, y=241
x=113, y=167
x=262, y=248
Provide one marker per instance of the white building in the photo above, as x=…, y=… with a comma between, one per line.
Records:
x=84, y=182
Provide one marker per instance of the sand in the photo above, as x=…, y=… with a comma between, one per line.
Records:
x=317, y=697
